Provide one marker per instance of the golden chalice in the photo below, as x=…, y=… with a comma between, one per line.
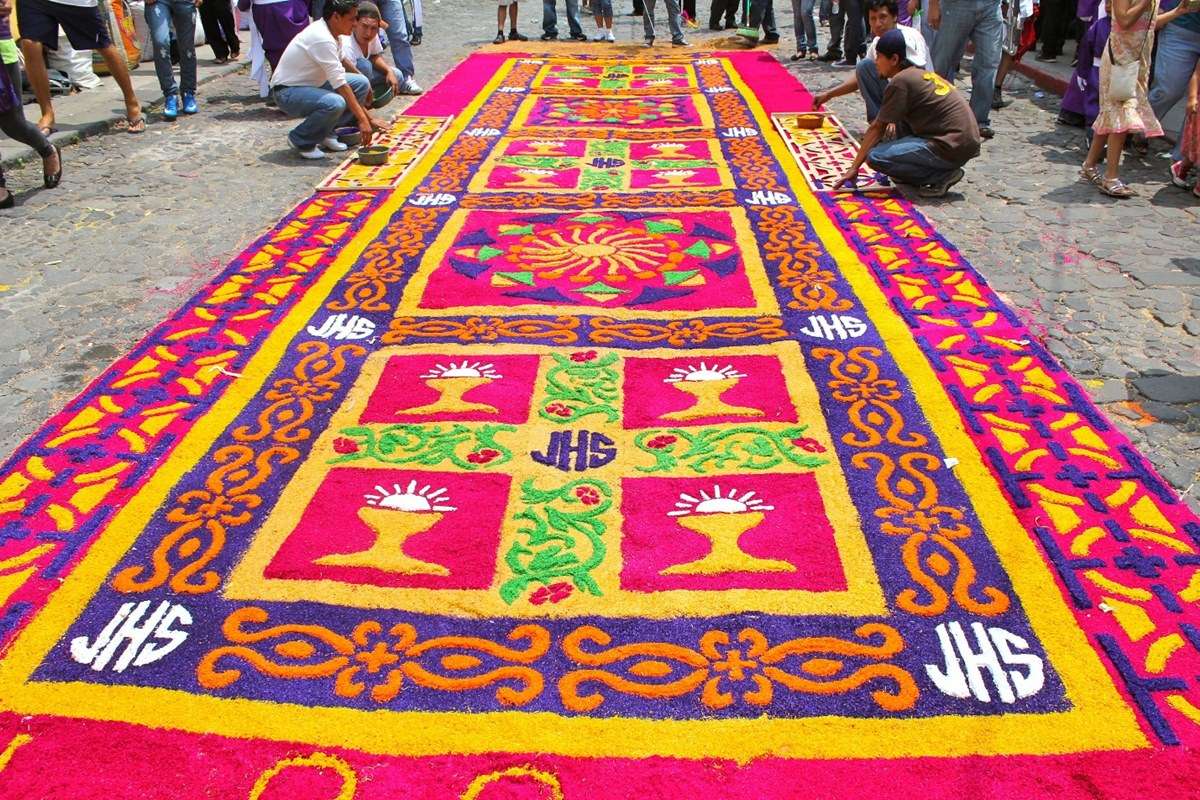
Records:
x=674, y=178
x=452, y=383
x=723, y=521
x=394, y=519
x=707, y=384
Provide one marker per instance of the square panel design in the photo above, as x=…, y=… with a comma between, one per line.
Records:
x=614, y=112
x=603, y=165
x=479, y=516
x=616, y=77
x=621, y=263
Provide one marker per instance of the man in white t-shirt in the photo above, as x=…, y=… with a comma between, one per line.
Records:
x=883, y=16
x=39, y=21
x=311, y=82
x=362, y=52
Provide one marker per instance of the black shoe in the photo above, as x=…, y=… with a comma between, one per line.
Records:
x=831, y=56
x=51, y=181
x=513, y=36
x=716, y=27
x=499, y=38
x=998, y=101
x=549, y=37
x=799, y=55
x=579, y=37
x=9, y=201
x=942, y=187
x=986, y=132
x=681, y=42
x=1071, y=118
x=415, y=39
x=769, y=39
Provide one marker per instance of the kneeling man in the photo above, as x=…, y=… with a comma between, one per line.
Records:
x=311, y=82
x=936, y=132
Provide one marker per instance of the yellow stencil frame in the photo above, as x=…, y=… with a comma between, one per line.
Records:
x=521, y=125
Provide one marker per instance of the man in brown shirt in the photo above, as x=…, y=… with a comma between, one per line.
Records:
x=936, y=130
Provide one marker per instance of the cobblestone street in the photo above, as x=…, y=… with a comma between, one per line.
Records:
x=140, y=222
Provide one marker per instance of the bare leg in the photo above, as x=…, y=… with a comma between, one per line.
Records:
x=500, y=13
x=115, y=60
x=1006, y=63
x=512, y=16
x=1094, y=152
x=35, y=65
x=1116, y=141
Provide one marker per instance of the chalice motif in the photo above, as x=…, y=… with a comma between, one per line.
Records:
x=544, y=147
x=707, y=384
x=394, y=517
x=674, y=178
x=722, y=520
x=451, y=383
x=670, y=149
x=532, y=178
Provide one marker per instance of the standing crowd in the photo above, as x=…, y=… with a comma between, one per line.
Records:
x=322, y=61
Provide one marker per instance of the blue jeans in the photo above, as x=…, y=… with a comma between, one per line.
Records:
x=550, y=18
x=910, y=159
x=1178, y=51
x=674, y=20
x=805, y=25
x=870, y=86
x=398, y=32
x=323, y=109
x=981, y=22
x=379, y=80
x=159, y=16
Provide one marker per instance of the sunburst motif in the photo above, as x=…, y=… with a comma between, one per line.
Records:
x=588, y=253
x=703, y=372
x=466, y=369
x=425, y=499
x=730, y=503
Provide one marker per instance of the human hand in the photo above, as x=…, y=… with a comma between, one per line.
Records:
x=820, y=99
x=393, y=82
x=935, y=16
x=913, y=5
x=365, y=129
x=1193, y=105
x=5, y=8
x=851, y=177
x=378, y=124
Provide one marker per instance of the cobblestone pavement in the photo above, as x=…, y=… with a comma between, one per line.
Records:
x=140, y=223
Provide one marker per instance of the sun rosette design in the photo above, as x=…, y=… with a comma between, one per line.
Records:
x=747, y=671
x=601, y=259
x=375, y=660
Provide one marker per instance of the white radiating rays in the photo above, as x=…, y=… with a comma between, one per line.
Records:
x=715, y=503
x=466, y=369
x=703, y=372
x=410, y=499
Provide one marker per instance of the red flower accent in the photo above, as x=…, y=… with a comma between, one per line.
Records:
x=344, y=444
x=809, y=445
x=586, y=355
x=659, y=442
x=558, y=409
x=483, y=456
x=555, y=593
x=587, y=495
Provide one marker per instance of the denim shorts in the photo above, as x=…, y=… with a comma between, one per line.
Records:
x=602, y=8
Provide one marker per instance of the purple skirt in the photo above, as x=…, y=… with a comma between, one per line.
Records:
x=1083, y=90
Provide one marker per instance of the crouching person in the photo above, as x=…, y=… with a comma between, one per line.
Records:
x=311, y=82
x=935, y=130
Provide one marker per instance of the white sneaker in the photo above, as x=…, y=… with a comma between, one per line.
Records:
x=410, y=86
x=600, y=37
x=332, y=144
x=608, y=36
x=313, y=153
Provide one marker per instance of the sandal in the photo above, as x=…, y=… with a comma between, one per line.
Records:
x=1091, y=175
x=499, y=38
x=136, y=125
x=47, y=130
x=51, y=181
x=1116, y=188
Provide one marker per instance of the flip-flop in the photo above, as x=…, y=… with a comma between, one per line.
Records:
x=51, y=181
x=47, y=131
x=136, y=125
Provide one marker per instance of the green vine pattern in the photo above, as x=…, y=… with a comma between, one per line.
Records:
x=469, y=448
x=743, y=447
x=577, y=389
x=556, y=522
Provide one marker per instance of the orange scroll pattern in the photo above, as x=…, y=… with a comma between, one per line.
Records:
x=911, y=509
x=383, y=261
x=371, y=657
x=790, y=247
x=677, y=333
x=724, y=671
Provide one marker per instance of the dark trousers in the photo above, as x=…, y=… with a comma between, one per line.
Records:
x=689, y=8
x=638, y=8
x=723, y=8
x=1054, y=19
x=855, y=13
x=762, y=13
x=220, y=31
x=837, y=24
x=15, y=126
